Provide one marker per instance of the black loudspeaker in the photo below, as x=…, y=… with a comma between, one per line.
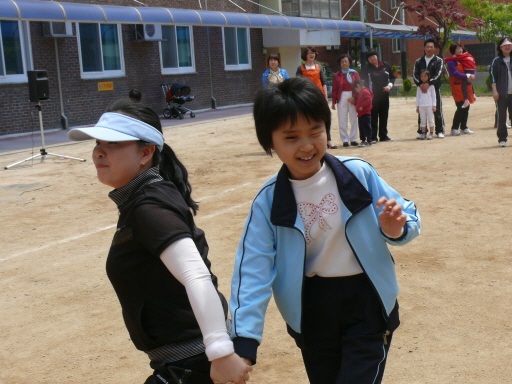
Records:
x=38, y=86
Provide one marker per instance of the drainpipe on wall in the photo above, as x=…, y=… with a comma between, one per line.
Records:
x=214, y=101
x=63, y=118
x=363, y=43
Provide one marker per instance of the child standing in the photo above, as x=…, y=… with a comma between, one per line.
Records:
x=426, y=106
x=158, y=261
x=316, y=237
x=363, y=105
x=468, y=63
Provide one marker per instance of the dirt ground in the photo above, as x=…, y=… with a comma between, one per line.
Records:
x=60, y=319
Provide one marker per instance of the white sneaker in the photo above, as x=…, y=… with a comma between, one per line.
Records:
x=467, y=131
x=503, y=143
x=440, y=135
x=430, y=136
x=421, y=136
x=509, y=126
x=455, y=132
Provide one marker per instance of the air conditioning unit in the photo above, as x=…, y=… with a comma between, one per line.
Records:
x=57, y=29
x=148, y=32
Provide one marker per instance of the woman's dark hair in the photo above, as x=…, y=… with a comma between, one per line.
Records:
x=304, y=55
x=498, y=46
x=345, y=55
x=274, y=56
x=135, y=95
x=170, y=168
x=284, y=103
x=454, y=46
x=370, y=54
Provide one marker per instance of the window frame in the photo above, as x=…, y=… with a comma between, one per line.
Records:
x=26, y=55
x=377, y=11
x=178, y=70
x=238, y=67
x=393, y=4
x=396, y=45
x=104, y=73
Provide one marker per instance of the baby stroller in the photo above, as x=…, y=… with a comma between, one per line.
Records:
x=176, y=95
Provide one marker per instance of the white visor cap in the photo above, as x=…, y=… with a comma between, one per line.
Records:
x=118, y=127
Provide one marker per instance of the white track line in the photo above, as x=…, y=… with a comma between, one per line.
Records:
x=113, y=225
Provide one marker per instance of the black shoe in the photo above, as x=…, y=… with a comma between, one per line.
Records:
x=332, y=146
x=387, y=138
x=345, y=143
x=354, y=143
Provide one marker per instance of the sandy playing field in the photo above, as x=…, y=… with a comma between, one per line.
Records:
x=60, y=320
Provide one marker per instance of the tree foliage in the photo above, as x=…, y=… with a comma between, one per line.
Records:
x=448, y=14
x=496, y=17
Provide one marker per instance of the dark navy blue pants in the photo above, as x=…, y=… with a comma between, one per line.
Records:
x=345, y=335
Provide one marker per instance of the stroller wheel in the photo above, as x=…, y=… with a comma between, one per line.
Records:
x=167, y=113
x=181, y=117
x=192, y=114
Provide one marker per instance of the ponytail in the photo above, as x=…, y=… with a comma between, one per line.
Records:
x=170, y=168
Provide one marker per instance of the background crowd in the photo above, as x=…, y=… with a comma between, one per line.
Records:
x=428, y=73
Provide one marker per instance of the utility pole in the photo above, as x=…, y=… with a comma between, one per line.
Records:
x=363, y=43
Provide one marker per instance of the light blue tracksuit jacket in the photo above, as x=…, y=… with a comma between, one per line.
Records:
x=272, y=251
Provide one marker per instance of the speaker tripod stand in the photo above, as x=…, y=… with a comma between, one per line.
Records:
x=42, y=151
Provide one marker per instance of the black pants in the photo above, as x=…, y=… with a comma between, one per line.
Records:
x=380, y=112
x=193, y=370
x=346, y=336
x=438, y=114
x=503, y=104
x=460, y=118
x=365, y=128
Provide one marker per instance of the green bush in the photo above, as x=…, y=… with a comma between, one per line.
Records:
x=488, y=82
x=407, y=85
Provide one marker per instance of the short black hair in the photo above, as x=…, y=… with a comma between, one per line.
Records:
x=345, y=55
x=425, y=71
x=134, y=95
x=430, y=41
x=371, y=53
x=284, y=103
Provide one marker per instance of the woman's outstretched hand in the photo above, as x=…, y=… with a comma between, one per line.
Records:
x=230, y=369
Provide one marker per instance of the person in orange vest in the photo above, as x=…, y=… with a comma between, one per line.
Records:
x=314, y=72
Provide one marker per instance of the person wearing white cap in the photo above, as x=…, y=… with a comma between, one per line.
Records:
x=158, y=261
x=501, y=82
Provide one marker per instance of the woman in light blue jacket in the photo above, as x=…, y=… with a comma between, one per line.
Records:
x=274, y=73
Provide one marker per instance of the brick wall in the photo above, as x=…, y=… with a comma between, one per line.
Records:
x=83, y=103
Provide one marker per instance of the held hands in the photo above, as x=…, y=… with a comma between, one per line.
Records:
x=424, y=87
x=391, y=219
x=351, y=100
x=230, y=369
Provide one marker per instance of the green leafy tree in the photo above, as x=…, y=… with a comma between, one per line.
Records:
x=448, y=14
x=496, y=17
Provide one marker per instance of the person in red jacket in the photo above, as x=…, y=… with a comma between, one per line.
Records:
x=364, y=102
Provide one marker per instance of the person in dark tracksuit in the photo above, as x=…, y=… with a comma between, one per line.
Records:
x=501, y=82
x=380, y=78
x=434, y=64
x=316, y=238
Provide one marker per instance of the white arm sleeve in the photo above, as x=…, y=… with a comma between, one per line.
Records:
x=185, y=263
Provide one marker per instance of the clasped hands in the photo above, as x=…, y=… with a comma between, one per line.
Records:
x=230, y=369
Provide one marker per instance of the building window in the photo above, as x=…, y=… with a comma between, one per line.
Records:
x=394, y=4
x=376, y=11
x=326, y=9
x=365, y=13
x=15, y=56
x=396, y=45
x=100, y=50
x=237, y=51
x=177, y=52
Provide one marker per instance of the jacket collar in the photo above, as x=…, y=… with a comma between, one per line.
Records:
x=353, y=194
